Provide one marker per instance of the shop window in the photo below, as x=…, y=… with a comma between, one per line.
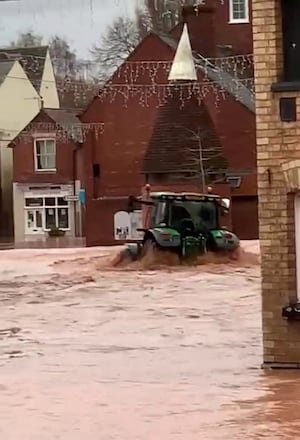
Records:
x=45, y=213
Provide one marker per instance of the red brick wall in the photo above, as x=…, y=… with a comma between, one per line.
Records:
x=24, y=166
x=245, y=217
x=235, y=125
x=80, y=165
x=127, y=129
x=211, y=27
x=120, y=149
x=100, y=220
x=237, y=35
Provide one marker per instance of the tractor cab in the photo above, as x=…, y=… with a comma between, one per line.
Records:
x=185, y=221
x=191, y=213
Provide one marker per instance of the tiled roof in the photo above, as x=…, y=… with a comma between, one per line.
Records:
x=5, y=68
x=179, y=136
x=32, y=60
x=63, y=116
x=67, y=119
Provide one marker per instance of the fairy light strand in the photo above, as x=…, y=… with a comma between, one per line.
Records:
x=150, y=78
x=62, y=132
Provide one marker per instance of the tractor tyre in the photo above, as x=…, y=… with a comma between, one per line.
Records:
x=149, y=245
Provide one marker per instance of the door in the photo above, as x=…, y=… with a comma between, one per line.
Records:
x=34, y=221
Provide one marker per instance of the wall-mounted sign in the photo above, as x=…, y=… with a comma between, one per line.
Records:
x=71, y=198
x=126, y=225
x=81, y=196
x=122, y=226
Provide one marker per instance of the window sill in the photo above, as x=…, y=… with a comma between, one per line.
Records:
x=286, y=86
x=61, y=229
x=241, y=21
x=46, y=171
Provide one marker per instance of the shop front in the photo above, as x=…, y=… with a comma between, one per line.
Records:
x=41, y=209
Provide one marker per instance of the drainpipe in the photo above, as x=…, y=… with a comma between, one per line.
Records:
x=74, y=186
x=75, y=171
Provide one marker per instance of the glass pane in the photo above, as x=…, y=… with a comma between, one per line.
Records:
x=40, y=147
x=50, y=146
x=30, y=219
x=50, y=162
x=49, y=201
x=41, y=163
x=39, y=219
x=61, y=201
x=63, y=218
x=50, y=218
x=239, y=9
x=34, y=201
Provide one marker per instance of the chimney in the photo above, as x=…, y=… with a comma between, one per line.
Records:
x=202, y=29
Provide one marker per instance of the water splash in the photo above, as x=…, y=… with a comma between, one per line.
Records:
x=157, y=259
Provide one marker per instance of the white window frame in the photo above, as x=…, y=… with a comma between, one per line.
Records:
x=44, y=206
x=43, y=139
x=233, y=20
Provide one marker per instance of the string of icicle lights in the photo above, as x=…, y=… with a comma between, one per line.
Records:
x=32, y=63
x=62, y=132
x=148, y=79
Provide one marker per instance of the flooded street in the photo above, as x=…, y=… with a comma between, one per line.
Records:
x=88, y=352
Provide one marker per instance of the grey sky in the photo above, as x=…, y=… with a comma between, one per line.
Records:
x=80, y=21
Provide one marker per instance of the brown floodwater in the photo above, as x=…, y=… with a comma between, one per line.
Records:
x=169, y=353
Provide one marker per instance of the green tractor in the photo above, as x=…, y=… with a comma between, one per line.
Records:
x=185, y=223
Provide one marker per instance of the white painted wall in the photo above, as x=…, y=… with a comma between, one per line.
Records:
x=19, y=191
x=48, y=90
x=19, y=104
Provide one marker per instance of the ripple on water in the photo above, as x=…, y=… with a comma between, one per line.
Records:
x=137, y=354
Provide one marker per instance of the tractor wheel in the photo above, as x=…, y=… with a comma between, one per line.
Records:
x=149, y=246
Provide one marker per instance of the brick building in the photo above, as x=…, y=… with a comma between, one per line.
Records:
x=47, y=173
x=277, y=76
x=132, y=148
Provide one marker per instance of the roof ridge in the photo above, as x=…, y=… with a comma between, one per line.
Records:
x=13, y=49
x=32, y=60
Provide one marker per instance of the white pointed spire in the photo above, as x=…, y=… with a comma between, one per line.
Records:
x=183, y=67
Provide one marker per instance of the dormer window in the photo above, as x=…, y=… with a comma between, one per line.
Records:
x=239, y=11
x=45, y=154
